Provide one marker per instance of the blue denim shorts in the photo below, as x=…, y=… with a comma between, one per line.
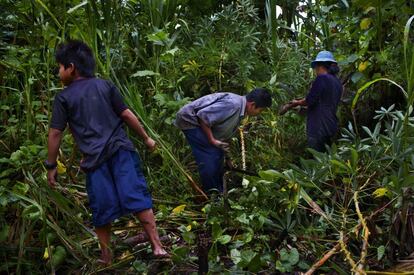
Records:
x=117, y=188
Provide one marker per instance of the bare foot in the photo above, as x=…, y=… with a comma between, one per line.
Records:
x=106, y=258
x=104, y=262
x=160, y=253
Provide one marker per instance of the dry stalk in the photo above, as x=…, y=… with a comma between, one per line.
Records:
x=365, y=244
x=243, y=148
x=346, y=251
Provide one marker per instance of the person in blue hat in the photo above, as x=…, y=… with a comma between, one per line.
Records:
x=322, y=102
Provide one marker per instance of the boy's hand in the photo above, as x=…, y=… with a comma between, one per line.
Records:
x=150, y=143
x=220, y=144
x=229, y=163
x=298, y=102
x=51, y=177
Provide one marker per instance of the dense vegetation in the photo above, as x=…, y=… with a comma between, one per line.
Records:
x=349, y=210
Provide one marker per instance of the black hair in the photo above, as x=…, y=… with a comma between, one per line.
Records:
x=261, y=97
x=331, y=67
x=77, y=53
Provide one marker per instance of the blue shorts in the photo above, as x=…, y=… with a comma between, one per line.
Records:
x=117, y=188
x=209, y=158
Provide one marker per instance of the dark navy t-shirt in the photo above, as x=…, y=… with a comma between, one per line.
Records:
x=322, y=101
x=91, y=107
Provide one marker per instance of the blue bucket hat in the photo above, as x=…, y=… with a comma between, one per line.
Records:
x=323, y=56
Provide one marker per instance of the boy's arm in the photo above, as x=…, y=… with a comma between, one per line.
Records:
x=132, y=121
x=211, y=139
x=299, y=102
x=53, y=144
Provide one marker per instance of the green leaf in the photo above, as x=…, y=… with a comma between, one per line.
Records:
x=235, y=256
x=243, y=219
x=354, y=158
x=140, y=267
x=247, y=256
x=340, y=165
x=346, y=4
x=31, y=212
x=273, y=79
x=216, y=231
x=180, y=254
x=77, y=6
x=144, y=73
x=381, y=192
x=365, y=23
x=270, y=175
x=356, y=77
x=291, y=257
x=288, y=259
x=368, y=84
x=158, y=38
x=172, y=51
x=50, y=13
x=4, y=233
x=21, y=188
x=189, y=237
x=380, y=252
x=224, y=239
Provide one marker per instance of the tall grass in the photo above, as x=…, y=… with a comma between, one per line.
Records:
x=409, y=72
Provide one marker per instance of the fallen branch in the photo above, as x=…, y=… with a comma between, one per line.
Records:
x=324, y=258
x=337, y=247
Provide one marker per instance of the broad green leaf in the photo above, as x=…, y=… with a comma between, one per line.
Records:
x=247, y=256
x=235, y=256
x=189, y=237
x=270, y=175
x=243, y=219
x=31, y=212
x=224, y=239
x=21, y=188
x=356, y=77
x=339, y=164
x=216, y=231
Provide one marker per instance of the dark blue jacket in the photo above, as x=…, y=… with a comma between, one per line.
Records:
x=322, y=100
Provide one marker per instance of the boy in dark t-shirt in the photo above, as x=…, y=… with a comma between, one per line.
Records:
x=95, y=113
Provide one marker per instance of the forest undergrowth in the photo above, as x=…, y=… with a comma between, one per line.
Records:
x=349, y=210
